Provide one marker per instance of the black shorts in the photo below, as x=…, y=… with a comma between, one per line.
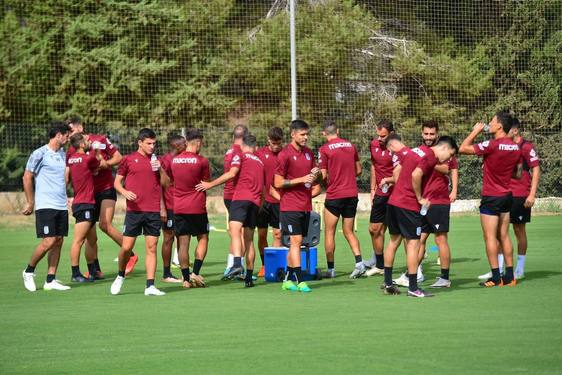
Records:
x=51, y=223
x=245, y=212
x=227, y=203
x=437, y=219
x=137, y=223
x=344, y=207
x=294, y=223
x=268, y=215
x=191, y=224
x=84, y=212
x=109, y=194
x=378, y=209
x=496, y=205
x=169, y=223
x=519, y=214
x=406, y=223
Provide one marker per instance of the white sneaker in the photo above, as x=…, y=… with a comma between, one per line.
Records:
x=29, y=281
x=117, y=284
x=153, y=291
x=438, y=261
x=420, y=277
x=402, y=281
x=441, y=283
x=358, y=271
x=369, y=263
x=329, y=274
x=519, y=275
x=374, y=271
x=485, y=276
x=55, y=285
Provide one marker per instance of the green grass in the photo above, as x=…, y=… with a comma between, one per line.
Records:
x=343, y=326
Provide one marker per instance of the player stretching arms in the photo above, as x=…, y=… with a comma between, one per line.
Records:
x=340, y=165
x=269, y=211
x=501, y=156
x=142, y=175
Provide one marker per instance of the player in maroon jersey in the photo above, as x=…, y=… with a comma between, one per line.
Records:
x=177, y=145
x=501, y=155
x=295, y=176
x=81, y=167
x=381, y=167
x=143, y=178
x=188, y=169
x=268, y=215
x=339, y=162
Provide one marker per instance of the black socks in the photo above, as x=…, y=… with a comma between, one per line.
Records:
x=388, y=276
x=197, y=266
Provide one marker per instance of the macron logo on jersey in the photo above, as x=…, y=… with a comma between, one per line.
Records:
x=75, y=160
x=334, y=146
x=504, y=147
x=184, y=161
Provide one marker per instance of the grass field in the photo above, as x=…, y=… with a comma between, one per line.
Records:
x=343, y=326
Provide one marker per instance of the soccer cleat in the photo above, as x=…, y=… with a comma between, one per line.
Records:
x=117, y=284
x=187, y=284
x=358, y=271
x=131, y=264
x=512, y=283
x=374, y=271
x=197, y=281
x=370, y=263
x=262, y=272
x=249, y=284
x=153, y=291
x=81, y=279
x=303, y=287
x=441, y=283
x=420, y=293
x=98, y=275
x=490, y=283
x=29, y=281
x=390, y=290
x=402, y=281
x=420, y=276
x=232, y=273
x=329, y=274
x=519, y=276
x=289, y=285
x=55, y=285
x=485, y=276
x=171, y=279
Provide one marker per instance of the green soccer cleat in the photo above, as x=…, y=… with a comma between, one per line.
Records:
x=289, y=285
x=303, y=287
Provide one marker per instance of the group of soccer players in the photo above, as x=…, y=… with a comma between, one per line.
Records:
x=411, y=189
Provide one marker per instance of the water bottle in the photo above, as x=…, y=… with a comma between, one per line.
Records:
x=153, y=158
x=384, y=188
x=486, y=127
x=424, y=209
x=98, y=146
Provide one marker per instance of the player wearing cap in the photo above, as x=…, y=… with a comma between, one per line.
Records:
x=404, y=217
x=295, y=176
x=268, y=216
x=339, y=162
x=45, y=192
x=143, y=177
x=501, y=156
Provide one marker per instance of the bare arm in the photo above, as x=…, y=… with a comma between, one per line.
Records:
x=535, y=176
x=442, y=168
x=164, y=179
x=227, y=176
x=274, y=193
x=279, y=182
x=417, y=176
x=466, y=145
x=358, y=168
x=373, y=181
x=454, y=185
x=67, y=175
x=114, y=160
x=316, y=190
x=118, y=185
x=28, y=177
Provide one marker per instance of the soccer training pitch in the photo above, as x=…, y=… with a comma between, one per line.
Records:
x=343, y=326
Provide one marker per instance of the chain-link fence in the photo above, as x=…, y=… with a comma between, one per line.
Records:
x=171, y=65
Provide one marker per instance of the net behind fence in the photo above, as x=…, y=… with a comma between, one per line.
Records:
x=212, y=64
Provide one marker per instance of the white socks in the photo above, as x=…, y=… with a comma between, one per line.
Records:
x=500, y=262
x=520, y=270
x=230, y=261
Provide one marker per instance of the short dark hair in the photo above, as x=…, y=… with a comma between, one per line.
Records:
x=249, y=140
x=330, y=127
x=515, y=123
x=449, y=141
x=386, y=124
x=193, y=134
x=56, y=128
x=431, y=124
x=275, y=134
x=393, y=137
x=239, y=131
x=145, y=133
x=506, y=119
x=76, y=140
x=73, y=119
x=299, y=125
x=172, y=139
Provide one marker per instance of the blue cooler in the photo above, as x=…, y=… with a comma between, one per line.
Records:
x=275, y=263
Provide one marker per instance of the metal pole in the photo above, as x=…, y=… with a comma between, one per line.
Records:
x=293, y=60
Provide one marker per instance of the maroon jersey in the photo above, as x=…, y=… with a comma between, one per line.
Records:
x=251, y=179
x=403, y=195
x=104, y=179
x=437, y=188
x=141, y=180
x=233, y=154
x=166, y=162
x=187, y=170
x=381, y=159
x=399, y=156
x=500, y=159
x=338, y=157
x=291, y=164
x=522, y=187
x=269, y=160
x=82, y=168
